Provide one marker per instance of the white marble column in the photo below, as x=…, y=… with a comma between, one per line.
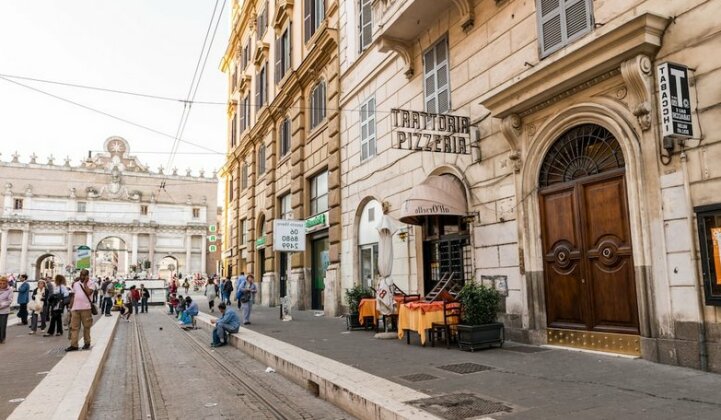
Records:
x=135, y=249
x=188, y=243
x=3, y=250
x=151, y=253
x=203, y=254
x=69, y=249
x=24, y=252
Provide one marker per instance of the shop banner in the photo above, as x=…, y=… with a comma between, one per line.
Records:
x=82, y=257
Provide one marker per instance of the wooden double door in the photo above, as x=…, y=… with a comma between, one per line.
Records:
x=588, y=258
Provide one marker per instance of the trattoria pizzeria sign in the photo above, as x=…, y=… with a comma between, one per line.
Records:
x=426, y=132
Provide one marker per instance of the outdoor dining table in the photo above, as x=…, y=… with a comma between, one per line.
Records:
x=368, y=309
x=419, y=317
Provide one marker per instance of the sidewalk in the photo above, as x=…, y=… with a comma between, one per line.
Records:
x=534, y=382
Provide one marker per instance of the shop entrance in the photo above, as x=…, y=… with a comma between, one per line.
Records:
x=321, y=261
x=446, y=249
x=587, y=253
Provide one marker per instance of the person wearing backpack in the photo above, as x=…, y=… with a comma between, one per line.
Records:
x=247, y=297
x=227, y=291
x=81, y=311
x=56, y=304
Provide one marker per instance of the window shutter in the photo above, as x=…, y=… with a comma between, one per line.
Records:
x=241, y=111
x=308, y=19
x=289, y=34
x=278, y=58
x=265, y=83
x=366, y=24
x=442, y=83
x=372, y=127
x=550, y=25
x=259, y=25
x=578, y=18
x=319, y=13
x=258, y=94
x=429, y=78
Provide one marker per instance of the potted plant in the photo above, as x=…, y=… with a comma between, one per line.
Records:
x=478, y=327
x=353, y=298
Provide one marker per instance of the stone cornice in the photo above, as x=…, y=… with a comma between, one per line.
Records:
x=601, y=52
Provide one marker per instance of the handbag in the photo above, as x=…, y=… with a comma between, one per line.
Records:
x=93, y=309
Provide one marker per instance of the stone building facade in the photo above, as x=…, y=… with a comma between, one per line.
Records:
x=283, y=147
x=111, y=203
x=599, y=231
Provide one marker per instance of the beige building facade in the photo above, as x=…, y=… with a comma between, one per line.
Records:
x=521, y=144
x=111, y=203
x=283, y=148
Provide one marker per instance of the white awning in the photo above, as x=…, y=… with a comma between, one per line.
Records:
x=438, y=195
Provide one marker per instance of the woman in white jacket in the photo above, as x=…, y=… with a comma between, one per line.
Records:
x=37, y=305
x=6, y=299
x=211, y=293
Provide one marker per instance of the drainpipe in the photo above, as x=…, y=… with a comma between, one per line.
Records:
x=703, y=351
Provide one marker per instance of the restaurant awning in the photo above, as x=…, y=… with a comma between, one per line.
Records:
x=438, y=195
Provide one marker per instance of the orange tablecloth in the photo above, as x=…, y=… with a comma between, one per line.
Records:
x=367, y=308
x=419, y=317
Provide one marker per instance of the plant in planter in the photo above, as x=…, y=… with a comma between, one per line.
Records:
x=478, y=327
x=353, y=298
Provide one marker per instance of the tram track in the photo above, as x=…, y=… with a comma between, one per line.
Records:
x=150, y=397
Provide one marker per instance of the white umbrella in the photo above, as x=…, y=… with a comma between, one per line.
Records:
x=387, y=226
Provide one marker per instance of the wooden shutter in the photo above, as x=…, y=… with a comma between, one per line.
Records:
x=241, y=111
x=258, y=94
x=372, y=127
x=366, y=24
x=308, y=19
x=278, y=58
x=429, y=80
x=562, y=21
x=578, y=17
x=443, y=90
x=289, y=34
x=550, y=25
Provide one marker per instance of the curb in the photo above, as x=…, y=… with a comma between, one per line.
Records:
x=67, y=391
x=359, y=393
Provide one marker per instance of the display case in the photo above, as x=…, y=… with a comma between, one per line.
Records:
x=709, y=232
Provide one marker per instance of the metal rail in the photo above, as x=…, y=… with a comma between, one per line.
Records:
x=147, y=399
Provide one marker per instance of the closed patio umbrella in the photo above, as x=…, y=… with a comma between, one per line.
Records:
x=387, y=226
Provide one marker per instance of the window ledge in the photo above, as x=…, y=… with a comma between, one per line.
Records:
x=283, y=159
x=318, y=128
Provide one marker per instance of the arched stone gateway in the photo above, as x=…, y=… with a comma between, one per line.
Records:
x=47, y=266
x=586, y=236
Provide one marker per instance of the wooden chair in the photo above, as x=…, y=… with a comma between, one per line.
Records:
x=447, y=330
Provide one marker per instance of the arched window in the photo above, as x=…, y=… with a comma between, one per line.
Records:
x=317, y=104
x=261, y=159
x=368, y=242
x=284, y=136
x=584, y=150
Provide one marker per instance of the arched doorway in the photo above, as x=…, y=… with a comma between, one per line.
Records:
x=111, y=257
x=168, y=267
x=586, y=237
x=47, y=266
x=368, y=242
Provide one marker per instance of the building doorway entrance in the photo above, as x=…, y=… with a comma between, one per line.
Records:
x=47, y=266
x=446, y=249
x=586, y=239
x=320, y=262
x=168, y=267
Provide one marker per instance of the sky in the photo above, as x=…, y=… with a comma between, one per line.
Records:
x=146, y=46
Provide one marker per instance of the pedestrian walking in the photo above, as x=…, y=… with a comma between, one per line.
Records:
x=210, y=293
x=129, y=303
x=144, y=296
x=227, y=291
x=186, y=285
x=37, y=305
x=108, y=294
x=248, y=297
x=23, y=298
x=227, y=323
x=135, y=295
x=6, y=299
x=56, y=304
x=238, y=287
x=80, y=310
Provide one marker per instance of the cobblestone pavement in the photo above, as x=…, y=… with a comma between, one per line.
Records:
x=24, y=362
x=536, y=382
x=188, y=383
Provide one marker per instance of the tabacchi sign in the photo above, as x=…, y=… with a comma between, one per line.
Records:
x=675, y=100
x=423, y=131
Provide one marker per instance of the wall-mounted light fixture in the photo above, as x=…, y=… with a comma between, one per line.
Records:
x=403, y=233
x=473, y=217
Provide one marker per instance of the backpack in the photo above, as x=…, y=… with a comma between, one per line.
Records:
x=228, y=287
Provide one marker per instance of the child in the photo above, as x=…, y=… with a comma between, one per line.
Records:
x=119, y=306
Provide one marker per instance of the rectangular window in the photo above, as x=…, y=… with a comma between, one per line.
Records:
x=244, y=113
x=284, y=135
x=314, y=13
x=244, y=176
x=368, y=264
x=286, y=212
x=368, y=129
x=436, y=78
x=365, y=24
x=82, y=205
x=319, y=194
x=245, y=56
x=317, y=105
x=561, y=22
x=196, y=213
x=143, y=210
x=261, y=159
x=261, y=87
x=241, y=116
x=18, y=204
x=262, y=22
x=244, y=232
x=230, y=189
x=233, y=130
x=282, y=54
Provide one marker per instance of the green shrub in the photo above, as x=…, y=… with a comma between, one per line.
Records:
x=480, y=303
x=354, y=295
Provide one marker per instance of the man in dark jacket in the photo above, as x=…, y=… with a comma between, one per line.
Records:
x=228, y=290
x=23, y=298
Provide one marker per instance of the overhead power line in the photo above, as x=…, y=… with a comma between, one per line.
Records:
x=109, y=90
x=115, y=117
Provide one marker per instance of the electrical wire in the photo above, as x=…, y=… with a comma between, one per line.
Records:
x=115, y=117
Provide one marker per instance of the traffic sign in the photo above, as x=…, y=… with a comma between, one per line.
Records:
x=288, y=235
